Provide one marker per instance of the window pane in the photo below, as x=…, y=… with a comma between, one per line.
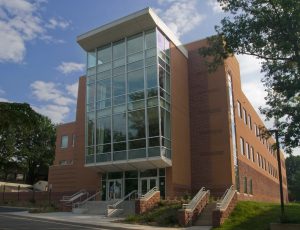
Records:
x=119, y=100
x=119, y=62
x=165, y=123
x=136, y=96
x=104, y=54
x=118, y=49
x=119, y=85
x=135, y=81
x=136, y=105
x=64, y=141
x=135, y=65
x=136, y=124
x=91, y=56
x=90, y=93
x=135, y=43
x=103, y=89
x=137, y=144
x=161, y=77
x=119, y=127
x=103, y=148
x=153, y=122
x=90, y=132
x=150, y=39
x=119, y=70
x=151, y=75
x=104, y=130
x=103, y=104
x=119, y=146
x=135, y=57
x=103, y=75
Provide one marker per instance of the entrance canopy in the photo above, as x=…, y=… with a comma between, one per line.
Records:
x=133, y=164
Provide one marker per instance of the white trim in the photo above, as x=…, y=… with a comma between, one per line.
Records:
x=142, y=20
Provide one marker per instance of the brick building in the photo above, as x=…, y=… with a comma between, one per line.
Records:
x=150, y=114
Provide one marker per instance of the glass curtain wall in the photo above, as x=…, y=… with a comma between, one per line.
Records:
x=128, y=99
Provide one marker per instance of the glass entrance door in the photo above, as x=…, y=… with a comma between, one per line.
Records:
x=114, y=189
x=147, y=184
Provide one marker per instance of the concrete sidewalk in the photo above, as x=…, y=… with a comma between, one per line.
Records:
x=95, y=220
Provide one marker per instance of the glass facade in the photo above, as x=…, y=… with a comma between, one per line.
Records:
x=233, y=132
x=128, y=99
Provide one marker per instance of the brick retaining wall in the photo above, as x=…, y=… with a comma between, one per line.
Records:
x=187, y=217
x=143, y=205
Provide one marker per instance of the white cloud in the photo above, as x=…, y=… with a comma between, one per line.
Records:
x=70, y=67
x=20, y=22
x=48, y=91
x=181, y=16
x=215, y=6
x=251, y=80
x=58, y=99
x=72, y=89
x=58, y=23
x=56, y=113
x=2, y=92
x=3, y=100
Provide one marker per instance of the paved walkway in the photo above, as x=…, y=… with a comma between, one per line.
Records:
x=94, y=220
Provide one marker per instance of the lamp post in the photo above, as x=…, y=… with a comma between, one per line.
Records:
x=275, y=131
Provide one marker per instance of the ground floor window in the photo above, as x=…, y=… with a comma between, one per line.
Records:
x=116, y=185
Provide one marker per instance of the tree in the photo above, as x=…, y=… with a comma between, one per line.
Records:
x=27, y=140
x=269, y=30
x=293, y=176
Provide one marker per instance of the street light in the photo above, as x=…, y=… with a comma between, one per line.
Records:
x=275, y=131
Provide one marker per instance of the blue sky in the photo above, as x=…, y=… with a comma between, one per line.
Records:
x=40, y=61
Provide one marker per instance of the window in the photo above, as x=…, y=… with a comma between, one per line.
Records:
x=239, y=107
x=255, y=130
x=245, y=185
x=64, y=142
x=252, y=154
x=250, y=187
x=245, y=116
x=249, y=122
x=258, y=159
x=247, y=150
x=73, y=140
x=242, y=146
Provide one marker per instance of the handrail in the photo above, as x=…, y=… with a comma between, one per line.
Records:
x=115, y=205
x=226, y=198
x=197, y=198
x=67, y=198
x=80, y=204
x=149, y=193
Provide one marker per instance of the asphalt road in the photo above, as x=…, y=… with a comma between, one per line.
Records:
x=12, y=222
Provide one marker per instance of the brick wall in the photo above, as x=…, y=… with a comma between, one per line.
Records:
x=144, y=205
x=265, y=188
x=219, y=216
x=187, y=217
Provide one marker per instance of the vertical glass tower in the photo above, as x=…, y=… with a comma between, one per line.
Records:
x=128, y=102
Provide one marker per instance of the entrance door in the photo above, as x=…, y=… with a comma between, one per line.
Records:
x=114, y=189
x=147, y=184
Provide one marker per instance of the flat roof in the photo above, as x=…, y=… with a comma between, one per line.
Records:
x=126, y=26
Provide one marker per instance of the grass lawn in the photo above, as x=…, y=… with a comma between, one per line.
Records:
x=258, y=216
x=163, y=215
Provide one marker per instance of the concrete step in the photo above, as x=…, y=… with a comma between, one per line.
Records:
x=94, y=207
x=205, y=218
x=126, y=208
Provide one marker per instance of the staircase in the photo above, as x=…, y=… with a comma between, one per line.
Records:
x=126, y=208
x=205, y=218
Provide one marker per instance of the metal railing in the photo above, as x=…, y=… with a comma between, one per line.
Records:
x=69, y=200
x=83, y=203
x=196, y=200
x=149, y=194
x=226, y=198
x=128, y=196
